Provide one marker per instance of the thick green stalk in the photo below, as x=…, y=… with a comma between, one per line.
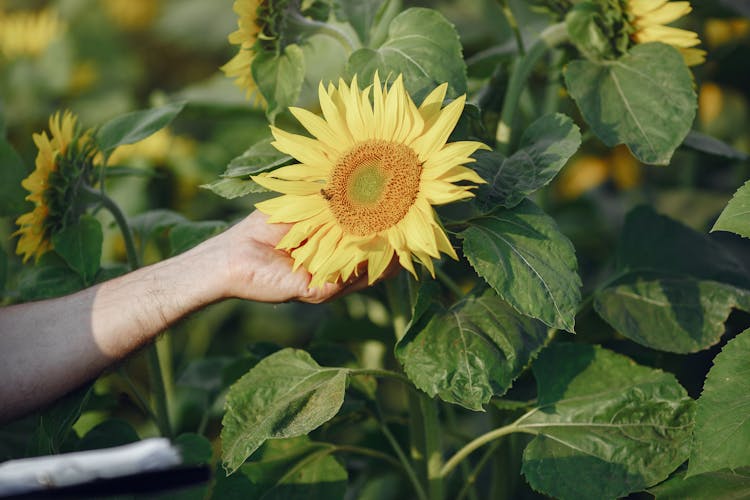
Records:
x=156, y=378
x=522, y=68
x=405, y=463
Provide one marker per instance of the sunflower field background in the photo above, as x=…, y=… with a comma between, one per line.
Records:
x=572, y=321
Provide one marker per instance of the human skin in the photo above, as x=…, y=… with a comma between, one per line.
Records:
x=50, y=347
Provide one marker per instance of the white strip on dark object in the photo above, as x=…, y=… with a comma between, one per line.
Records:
x=56, y=471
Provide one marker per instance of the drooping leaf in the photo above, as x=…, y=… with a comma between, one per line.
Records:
x=279, y=78
x=644, y=99
x=724, y=485
x=722, y=420
x=421, y=45
x=153, y=223
x=711, y=145
x=286, y=395
x=654, y=243
x=184, y=236
x=545, y=148
x=670, y=312
x=472, y=351
x=13, y=171
x=523, y=255
x=80, y=245
x=51, y=277
x=605, y=426
x=736, y=216
x=135, y=126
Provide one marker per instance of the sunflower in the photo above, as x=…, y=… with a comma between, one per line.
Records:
x=28, y=33
x=365, y=185
x=64, y=157
x=649, y=18
x=246, y=37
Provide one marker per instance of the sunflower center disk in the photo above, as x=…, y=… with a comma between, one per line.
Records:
x=373, y=186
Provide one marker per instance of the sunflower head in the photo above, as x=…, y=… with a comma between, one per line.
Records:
x=64, y=163
x=363, y=190
x=28, y=33
x=648, y=20
x=260, y=28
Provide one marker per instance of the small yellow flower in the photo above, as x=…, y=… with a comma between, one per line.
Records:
x=723, y=31
x=246, y=37
x=28, y=33
x=35, y=228
x=365, y=185
x=587, y=172
x=649, y=19
x=160, y=147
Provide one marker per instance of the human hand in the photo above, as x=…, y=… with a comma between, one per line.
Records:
x=258, y=271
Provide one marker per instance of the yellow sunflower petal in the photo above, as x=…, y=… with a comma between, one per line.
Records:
x=438, y=133
x=291, y=208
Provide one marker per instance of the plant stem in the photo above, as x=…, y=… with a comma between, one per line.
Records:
x=311, y=25
x=471, y=478
x=477, y=443
x=450, y=415
x=411, y=474
x=396, y=305
x=156, y=379
x=369, y=452
x=549, y=38
x=511, y=18
x=433, y=449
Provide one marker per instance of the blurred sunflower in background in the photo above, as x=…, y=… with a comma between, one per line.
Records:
x=587, y=172
x=246, y=36
x=64, y=162
x=133, y=15
x=365, y=185
x=649, y=19
x=26, y=33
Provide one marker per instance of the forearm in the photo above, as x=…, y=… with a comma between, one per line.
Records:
x=53, y=346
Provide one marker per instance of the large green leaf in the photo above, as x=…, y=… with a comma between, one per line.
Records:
x=286, y=395
x=51, y=277
x=523, y=255
x=135, y=126
x=234, y=187
x=722, y=419
x=724, y=485
x=655, y=243
x=545, y=148
x=670, y=312
x=361, y=15
x=279, y=78
x=13, y=171
x=80, y=245
x=644, y=99
x=605, y=426
x=713, y=146
x=421, y=45
x=260, y=157
x=185, y=235
x=736, y=216
x=472, y=351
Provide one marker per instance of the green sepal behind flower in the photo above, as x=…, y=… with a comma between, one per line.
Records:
x=599, y=29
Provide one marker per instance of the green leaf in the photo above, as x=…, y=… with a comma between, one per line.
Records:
x=110, y=433
x=233, y=187
x=736, y=216
x=185, y=235
x=713, y=146
x=472, y=351
x=194, y=448
x=153, y=223
x=293, y=468
x=80, y=245
x=654, y=243
x=287, y=394
x=605, y=426
x=56, y=422
x=135, y=126
x=644, y=99
x=260, y=157
x=361, y=15
x=279, y=78
x=205, y=374
x=722, y=420
x=421, y=45
x=523, y=255
x=546, y=146
x=51, y=277
x=12, y=194
x=724, y=485
x=670, y=312
x=596, y=30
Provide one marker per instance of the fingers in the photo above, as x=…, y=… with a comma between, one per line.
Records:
x=359, y=281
